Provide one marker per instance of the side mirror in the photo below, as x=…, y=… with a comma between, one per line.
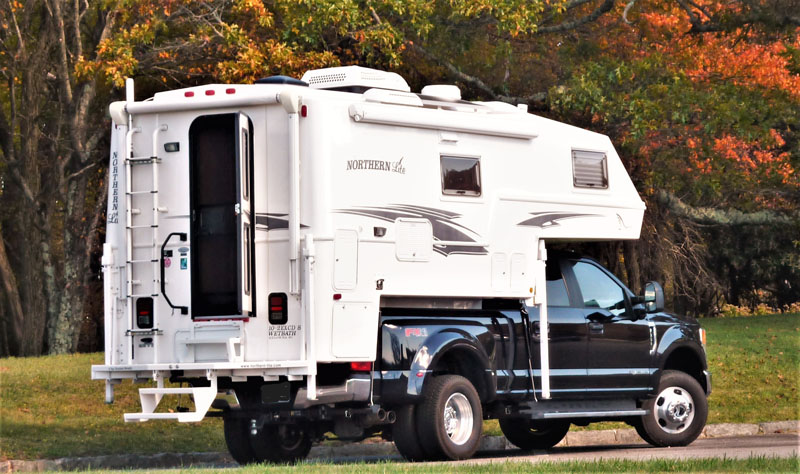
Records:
x=653, y=297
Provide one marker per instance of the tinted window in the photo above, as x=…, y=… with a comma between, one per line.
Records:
x=461, y=176
x=598, y=289
x=556, y=288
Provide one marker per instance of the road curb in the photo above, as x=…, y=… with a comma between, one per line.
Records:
x=369, y=449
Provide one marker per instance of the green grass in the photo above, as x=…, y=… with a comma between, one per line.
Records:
x=754, y=464
x=755, y=364
x=50, y=408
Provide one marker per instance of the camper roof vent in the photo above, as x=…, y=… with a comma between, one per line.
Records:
x=442, y=92
x=355, y=79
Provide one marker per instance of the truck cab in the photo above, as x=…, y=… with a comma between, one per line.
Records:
x=614, y=356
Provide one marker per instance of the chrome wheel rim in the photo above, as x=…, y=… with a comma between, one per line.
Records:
x=458, y=418
x=674, y=410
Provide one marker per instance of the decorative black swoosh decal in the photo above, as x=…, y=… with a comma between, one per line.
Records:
x=444, y=228
x=550, y=219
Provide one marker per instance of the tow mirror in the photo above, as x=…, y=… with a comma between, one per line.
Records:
x=653, y=297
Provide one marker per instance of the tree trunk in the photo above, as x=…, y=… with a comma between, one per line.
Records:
x=14, y=319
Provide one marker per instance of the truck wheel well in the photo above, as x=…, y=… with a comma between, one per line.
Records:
x=462, y=362
x=685, y=360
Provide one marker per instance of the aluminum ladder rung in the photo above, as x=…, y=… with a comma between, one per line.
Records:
x=136, y=193
x=147, y=260
x=143, y=226
x=140, y=295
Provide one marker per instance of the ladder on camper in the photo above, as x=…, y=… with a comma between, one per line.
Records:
x=134, y=285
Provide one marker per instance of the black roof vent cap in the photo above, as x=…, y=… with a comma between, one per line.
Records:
x=281, y=80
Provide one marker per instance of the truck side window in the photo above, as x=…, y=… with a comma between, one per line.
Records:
x=556, y=288
x=461, y=176
x=599, y=290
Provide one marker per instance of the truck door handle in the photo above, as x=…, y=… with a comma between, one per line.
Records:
x=595, y=328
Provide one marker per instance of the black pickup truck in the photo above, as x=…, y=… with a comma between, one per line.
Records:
x=613, y=356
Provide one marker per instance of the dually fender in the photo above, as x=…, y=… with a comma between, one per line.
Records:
x=451, y=341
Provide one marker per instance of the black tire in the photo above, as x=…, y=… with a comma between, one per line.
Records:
x=237, y=437
x=464, y=417
x=404, y=433
x=529, y=434
x=281, y=444
x=677, y=414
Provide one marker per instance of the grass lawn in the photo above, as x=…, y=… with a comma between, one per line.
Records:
x=756, y=464
x=50, y=408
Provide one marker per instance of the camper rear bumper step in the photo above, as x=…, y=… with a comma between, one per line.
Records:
x=353, y=390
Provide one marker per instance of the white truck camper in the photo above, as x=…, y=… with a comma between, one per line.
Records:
x=261, y=238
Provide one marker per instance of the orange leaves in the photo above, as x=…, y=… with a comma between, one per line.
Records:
x=757, y=159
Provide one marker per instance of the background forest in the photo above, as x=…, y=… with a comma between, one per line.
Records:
x=701, y=98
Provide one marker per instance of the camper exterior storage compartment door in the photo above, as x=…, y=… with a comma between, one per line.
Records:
x=244, y=190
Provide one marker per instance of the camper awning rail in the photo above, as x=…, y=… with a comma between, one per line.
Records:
x=151, y=107
x=438, y=119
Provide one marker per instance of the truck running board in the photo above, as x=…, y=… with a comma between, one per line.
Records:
x=150, y=398
x=583, y=409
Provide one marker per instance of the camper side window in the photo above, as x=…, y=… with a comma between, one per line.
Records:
x=589, y=169
x=461, y=176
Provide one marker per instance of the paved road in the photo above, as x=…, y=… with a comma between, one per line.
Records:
x=775, y=445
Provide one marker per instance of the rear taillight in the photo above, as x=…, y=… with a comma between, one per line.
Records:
x=278, y=313
x=144, y=313
x=361, y=366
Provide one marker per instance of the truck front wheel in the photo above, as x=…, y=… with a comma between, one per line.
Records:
x=282, y=444
x=677, y=414
x=450, y=418
x=533, y=434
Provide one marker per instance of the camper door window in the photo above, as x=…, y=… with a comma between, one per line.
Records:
x=461, y=176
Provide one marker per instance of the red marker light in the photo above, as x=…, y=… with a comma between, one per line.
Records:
x=361, y=366
x=337, y=296
x=188, y=94
x=303, y=111
x=230, y=90
x=210, y=92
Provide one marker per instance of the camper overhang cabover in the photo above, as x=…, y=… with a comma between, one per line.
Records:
x=257, y=231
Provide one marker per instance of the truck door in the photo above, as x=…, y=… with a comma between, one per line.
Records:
x=220, y=164
x=619, y=359
x=567, y=338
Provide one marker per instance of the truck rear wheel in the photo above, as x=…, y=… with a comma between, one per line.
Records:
x=404, y=433
x=450, y=418
x=282, y=444
x=677, y=414
x=237, y=437
x=533, y=434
